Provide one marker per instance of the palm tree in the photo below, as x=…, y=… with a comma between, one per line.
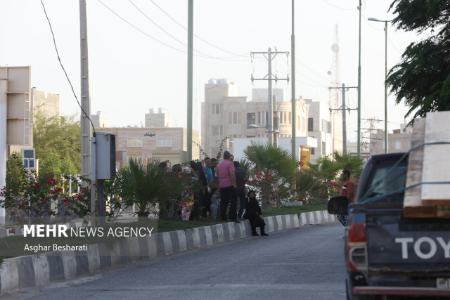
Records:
x=145, y=183
x=274, y=170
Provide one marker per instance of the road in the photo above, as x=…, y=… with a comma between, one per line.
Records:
x=305, y=263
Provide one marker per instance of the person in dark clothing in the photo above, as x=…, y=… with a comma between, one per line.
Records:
x=241, y=179
x=202, y=193
x=253, y=214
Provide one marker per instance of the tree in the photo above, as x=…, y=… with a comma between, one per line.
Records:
x=145, y=183
x=273, y=172
x=16, y=181
x=57, y=144
x=317, y=183
x=422, y=78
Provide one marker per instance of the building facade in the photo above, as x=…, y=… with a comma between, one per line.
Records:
x=45, y=103
x=226, y=117
x=319, y=128
x=99, y=120
x=152, y=143
x=398, y=141
x=16, y=117
x=157, y=119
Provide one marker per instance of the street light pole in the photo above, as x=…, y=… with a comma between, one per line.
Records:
x=385, y=82
x=358, y=142
x=190, y=77
x=385, y=89
x=293, y=108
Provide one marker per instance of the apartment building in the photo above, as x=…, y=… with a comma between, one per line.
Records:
x=226, y=115
x=153, y=143
x=319, y=127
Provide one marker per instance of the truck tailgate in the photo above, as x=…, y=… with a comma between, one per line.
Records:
x=415, y=247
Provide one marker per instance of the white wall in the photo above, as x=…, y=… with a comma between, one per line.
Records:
x=3, y=135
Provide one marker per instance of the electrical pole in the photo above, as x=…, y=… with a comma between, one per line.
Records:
x=358, y=142
x=269, y=96
x=270, y=56
x=85, y=101
x=385, y=89
x=344, y=122
x=87, y=152
x=344, y=109
x=294, y=106
x=190, y=76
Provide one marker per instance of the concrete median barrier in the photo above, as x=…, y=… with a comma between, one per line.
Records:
x=41, y=269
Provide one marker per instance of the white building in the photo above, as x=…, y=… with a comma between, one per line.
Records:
x=398, y=141
x=303, y=144
x=227, y=117
x=158, y=119
x=99, y=120
x=16, y=117
x=45, y=103
x=319, y=127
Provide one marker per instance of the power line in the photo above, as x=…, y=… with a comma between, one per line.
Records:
x=62, y=66
x=337, y=6
x=196, y=36
x=156, y=24
x=199, y=54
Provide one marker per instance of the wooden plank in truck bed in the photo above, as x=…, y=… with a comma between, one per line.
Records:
x=412, y=204
x=436, y=160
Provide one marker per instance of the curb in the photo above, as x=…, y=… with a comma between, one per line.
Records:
x=39, y=270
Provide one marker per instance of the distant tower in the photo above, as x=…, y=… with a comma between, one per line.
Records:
x=335, y=101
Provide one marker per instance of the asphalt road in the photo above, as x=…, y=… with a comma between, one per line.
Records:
x=305, y=263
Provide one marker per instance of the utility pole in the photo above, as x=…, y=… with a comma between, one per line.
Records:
x=358, y=142
x=270, y=56
x=344, y=110
x=385, y=89
x=87, y=155
x=85, y=101
x=294, y=106
x=385, y=81
x=190, y=76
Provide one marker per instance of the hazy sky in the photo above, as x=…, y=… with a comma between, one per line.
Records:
x=131, y=71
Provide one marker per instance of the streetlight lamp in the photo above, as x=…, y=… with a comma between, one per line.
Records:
x=385, y=81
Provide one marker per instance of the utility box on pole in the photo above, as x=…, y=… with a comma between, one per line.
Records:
x=105, y=155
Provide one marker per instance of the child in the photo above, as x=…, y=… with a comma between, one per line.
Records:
x=253, y=214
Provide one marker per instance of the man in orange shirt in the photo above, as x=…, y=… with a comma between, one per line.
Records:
x=348, y=187
x=348, y=191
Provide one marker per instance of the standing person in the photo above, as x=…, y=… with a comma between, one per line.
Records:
x=206, y=210
x=253, y=214
x=348, y=191
x=241, y=179
x=225, y=172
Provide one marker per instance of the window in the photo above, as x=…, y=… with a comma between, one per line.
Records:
x=259, y=118
x=235, y=117
x=230, y=118
x=290, y=117
x=251, y=119
x=326, y=126
x=313, y=151
x=215, y=130
x=310, y=124
x=324, y=148
x=216, y=109
x=164, y=142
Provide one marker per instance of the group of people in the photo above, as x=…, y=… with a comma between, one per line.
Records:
x=223, y=192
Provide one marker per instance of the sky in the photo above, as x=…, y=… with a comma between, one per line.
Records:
x=138, y=52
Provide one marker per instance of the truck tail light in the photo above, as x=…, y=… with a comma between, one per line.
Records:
x=357, y=233
x=357, y=247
